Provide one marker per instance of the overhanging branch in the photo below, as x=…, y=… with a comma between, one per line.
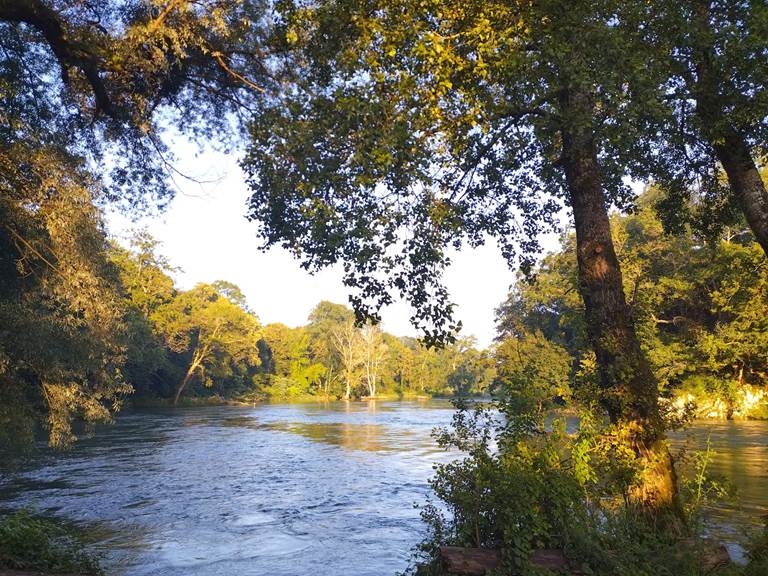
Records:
x=70, y=54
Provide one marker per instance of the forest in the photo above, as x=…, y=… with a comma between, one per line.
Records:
x=700, y=305
x=209, y=338
x=381, y=136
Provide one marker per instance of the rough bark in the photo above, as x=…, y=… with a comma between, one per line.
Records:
x=629, y=387
x=747, y=186
x=629, y=391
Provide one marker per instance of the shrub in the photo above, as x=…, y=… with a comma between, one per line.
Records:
x=523, y=483
x=34, y=543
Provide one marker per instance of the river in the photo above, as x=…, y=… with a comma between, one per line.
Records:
x=316, y=489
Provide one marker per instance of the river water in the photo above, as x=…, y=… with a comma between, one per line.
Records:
x=301, y=489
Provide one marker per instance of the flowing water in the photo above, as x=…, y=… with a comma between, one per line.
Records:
x=302, y=489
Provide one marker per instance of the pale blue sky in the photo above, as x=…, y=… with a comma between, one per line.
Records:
x=205, y=233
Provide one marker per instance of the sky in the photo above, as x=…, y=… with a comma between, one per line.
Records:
x=204, y=232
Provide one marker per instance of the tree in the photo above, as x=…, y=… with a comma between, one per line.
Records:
x=473, y=374
x=100, y=81
x=144, y=274
x=62, y=342
x=410, y=128
x=324, y=320
x=88, y=89
x=715, y=92
x=209, y=332
x=285, y=354
x=699, y=304
x=374, y=351
x=346, y=339
x=145, y=286
x=530, y=369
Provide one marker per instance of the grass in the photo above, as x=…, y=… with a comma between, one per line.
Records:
x=32, y=542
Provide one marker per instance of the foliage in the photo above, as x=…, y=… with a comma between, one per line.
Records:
x=172, y=337
x=285, y=355
x=530, y=366
x=325, y=320
x=699, y=305
x=757, y=553
x=523, y=482
x=100, y=82
x=412, y=128
x=29, y=542
x=503, y=493
x=62, y=342
x=213, y=336
x=701, y=487
x=708, y=58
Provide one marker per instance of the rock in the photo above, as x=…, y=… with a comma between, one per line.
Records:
x=711, y=554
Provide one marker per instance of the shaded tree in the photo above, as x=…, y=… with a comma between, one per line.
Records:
x=412, y=128
x=712, y=66
x=532, y=372
x=100, y=81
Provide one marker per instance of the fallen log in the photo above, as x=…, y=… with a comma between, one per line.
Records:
x=458, y=561
x=468, y=561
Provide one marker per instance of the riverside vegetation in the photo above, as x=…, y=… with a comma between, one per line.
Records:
x=381, y=134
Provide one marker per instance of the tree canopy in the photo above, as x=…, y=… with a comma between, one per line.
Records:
x=97, y=84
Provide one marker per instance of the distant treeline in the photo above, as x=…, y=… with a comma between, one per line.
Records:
x=86, y=324
x=207, y=342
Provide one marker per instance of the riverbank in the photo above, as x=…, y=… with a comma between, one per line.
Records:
x=35, y=545
x=745, y=402
x=149, y=402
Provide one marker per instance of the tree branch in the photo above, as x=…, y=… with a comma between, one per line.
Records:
x=48, y=22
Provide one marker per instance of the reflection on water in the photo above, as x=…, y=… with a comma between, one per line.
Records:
x=274, y=489
x=739, y=456
x=368, y=437
x=287, y=489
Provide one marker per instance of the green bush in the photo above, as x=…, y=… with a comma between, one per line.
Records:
x=523, y=483
x=34, y=543
x=757, y=554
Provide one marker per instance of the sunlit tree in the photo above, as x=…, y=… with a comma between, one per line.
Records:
x=209, y=332
x=373, y=353
x=412, y=128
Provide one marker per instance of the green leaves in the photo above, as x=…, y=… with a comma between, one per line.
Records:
x=699, y=306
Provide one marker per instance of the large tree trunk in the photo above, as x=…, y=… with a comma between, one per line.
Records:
x=629, y=390
x=746, y=184
x=187, y=377
x=731, y=147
